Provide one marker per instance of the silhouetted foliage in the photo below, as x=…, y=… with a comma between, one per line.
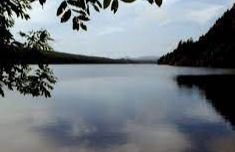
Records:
x=79, y=10
x=35, y=81
x=8, y=8
x=38, y=40
x=218, y=90
x=214, y=49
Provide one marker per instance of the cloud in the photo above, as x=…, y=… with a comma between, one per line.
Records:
x=110, y=30
x=163, y=138
x=170, y=2
x=204, y=15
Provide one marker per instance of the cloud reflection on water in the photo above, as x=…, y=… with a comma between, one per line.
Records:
x=122, y=113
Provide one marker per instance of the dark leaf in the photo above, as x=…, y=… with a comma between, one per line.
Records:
x=88, y=10
x=96, y=8
x=84, y=18
x=128, y=1
x=75, y=23
x=66, y=16
x=83, y=26
x=61, y=8
x=82, y=4
x=150, y=1
x=99, y=4
x=27, y=17
x=106, y=3
x=114, y=6
x=1, y=91
x=42, y=2
x=158, y=2
x=22, y=34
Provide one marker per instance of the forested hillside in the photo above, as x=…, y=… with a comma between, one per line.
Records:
x=214, y=49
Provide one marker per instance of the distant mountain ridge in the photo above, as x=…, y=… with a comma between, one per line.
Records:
x=214, y=49
x=145, y=59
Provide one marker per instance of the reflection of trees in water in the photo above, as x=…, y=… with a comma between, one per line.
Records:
x=28, y=80
x=218, y=90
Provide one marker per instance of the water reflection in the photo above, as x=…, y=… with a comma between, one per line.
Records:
x=218, y=90
x=28, y=80
x=67, y=134
x=115, y=108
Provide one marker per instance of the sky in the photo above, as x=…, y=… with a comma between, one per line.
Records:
x=137, y=29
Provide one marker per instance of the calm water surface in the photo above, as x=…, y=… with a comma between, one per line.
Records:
x=124, y=108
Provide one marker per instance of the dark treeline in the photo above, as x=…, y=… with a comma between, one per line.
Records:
x=214, y=49
x=29, y=56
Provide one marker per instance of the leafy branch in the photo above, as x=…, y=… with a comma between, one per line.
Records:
x=79, y=10
x=38, y=40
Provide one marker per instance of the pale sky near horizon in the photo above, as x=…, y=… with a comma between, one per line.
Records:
x=137, y=29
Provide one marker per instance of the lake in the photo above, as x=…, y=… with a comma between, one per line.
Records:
x=124, y=108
